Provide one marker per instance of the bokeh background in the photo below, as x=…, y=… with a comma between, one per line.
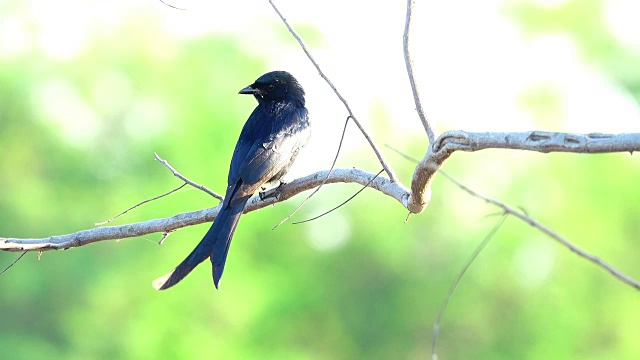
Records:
x=89, y=90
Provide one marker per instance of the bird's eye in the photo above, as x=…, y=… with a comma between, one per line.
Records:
x=271, y=87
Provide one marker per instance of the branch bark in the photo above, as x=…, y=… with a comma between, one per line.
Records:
x=415, y=200
x=165, y=225
x=540, y=141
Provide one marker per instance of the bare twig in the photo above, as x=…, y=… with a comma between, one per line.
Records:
x=164, y=237
x=384, y=163
x=522, y=215
x=402, y=154
x=13, y=263
x=335, y=159
x=140, y=204
x=344, y=202
x=171, y=6
x=552, y=234
x=179, y=176
x=472, y=258
x=414, y=88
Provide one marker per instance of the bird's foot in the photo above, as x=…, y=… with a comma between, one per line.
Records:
x=271, y=193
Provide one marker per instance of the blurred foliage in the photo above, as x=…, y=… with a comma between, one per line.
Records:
x=585, y=22
x=78, y=136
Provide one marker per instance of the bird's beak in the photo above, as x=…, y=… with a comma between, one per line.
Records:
x=248, y=90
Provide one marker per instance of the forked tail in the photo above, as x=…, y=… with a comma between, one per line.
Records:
x=214, y=244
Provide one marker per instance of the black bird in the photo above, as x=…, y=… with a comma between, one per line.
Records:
x=269, y=143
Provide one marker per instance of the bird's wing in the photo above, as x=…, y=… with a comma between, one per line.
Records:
x=272, y=145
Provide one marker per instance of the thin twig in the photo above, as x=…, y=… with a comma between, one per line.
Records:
x=165, y=235
x=402, y=154
x=472, y=258
x=344, y=202
x=171, y=6
x=385, y=165
x=13, y=263
x=181, y=177
x=414, y=88
x=552, y=234
x=140, y=204
x=335, y=159
x=522, y=215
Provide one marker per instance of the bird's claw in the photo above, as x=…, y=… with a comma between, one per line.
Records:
x=271, y=193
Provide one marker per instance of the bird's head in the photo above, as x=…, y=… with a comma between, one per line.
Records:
x=276, y=86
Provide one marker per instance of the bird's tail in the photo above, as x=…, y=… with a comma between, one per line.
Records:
x=214, y=244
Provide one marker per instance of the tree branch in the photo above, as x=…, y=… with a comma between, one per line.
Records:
x=166, y=225
x=442, y=148
x=540, y=141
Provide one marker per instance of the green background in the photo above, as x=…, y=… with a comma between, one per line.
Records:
x=374, y=296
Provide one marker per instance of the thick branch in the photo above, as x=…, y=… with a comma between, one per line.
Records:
x=165, y=225
x=540, y=141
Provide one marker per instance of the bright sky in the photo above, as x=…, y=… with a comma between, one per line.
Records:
x=472, y=65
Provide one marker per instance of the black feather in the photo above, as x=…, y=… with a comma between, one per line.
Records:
x=268, y=144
